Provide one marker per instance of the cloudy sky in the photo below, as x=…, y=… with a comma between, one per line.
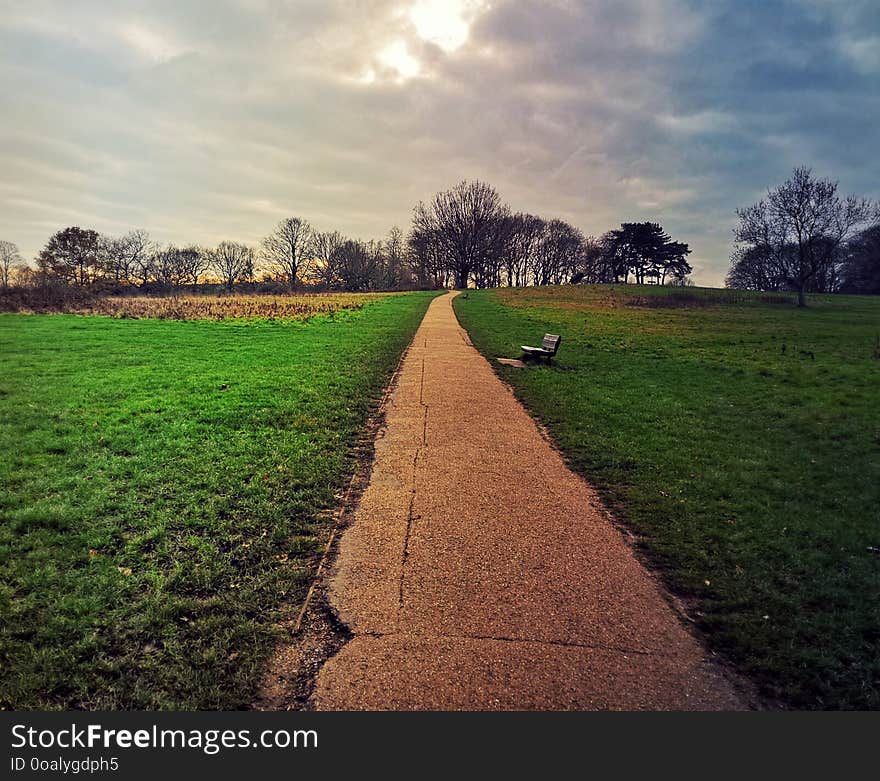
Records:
x=205, y=120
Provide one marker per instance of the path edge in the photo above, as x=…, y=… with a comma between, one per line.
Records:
x=314, y=633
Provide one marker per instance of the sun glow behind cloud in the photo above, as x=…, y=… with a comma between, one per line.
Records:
x=446, y=23
x=443, y=23
x=396, y=57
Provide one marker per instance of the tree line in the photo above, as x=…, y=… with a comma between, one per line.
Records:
x=808, y=238
x=292, y=257
x=465, y=236
x=803, y=237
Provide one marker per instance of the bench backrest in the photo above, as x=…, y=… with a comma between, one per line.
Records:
x=551, y=343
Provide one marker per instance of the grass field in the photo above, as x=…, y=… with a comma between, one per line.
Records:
x=161, y=494
x=740, y=438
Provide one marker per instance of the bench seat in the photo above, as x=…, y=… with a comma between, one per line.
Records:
x=548, y=348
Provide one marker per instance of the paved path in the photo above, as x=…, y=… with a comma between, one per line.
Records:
x=480, y=573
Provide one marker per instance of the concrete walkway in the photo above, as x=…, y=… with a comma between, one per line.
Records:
x=480, y=573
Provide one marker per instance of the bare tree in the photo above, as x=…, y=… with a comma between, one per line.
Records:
x=175, y=266
x=558, y=252
x=359, y=265
x=193, y=262
x=396, y=271
x=9, y=258
x=324, y=247
x=22, y=275
x=800, y=227
x=373, y=273
x=351, y=262
x=108, y=256
x=425, y=256
x=166, y=270
x=753, y=268
x=232, y=262
x=126, y=258
x=520, y=248
x=488, y=270
x=288, y=249
x=465, y=222
x=593, y=267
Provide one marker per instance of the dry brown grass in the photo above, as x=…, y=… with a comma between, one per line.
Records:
x=263, y=307
x=606, y=297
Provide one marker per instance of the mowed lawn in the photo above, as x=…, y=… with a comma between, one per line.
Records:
x=163, y=488
x=740, y=439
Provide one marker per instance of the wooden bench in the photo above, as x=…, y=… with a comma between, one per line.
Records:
x=548, y=348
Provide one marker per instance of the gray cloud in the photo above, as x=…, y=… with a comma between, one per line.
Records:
x=210, y=120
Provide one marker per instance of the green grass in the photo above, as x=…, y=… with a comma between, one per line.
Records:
x=741, y=440
x=161, y=493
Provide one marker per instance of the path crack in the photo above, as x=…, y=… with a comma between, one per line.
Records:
x=412, y=497
x=525, y=640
